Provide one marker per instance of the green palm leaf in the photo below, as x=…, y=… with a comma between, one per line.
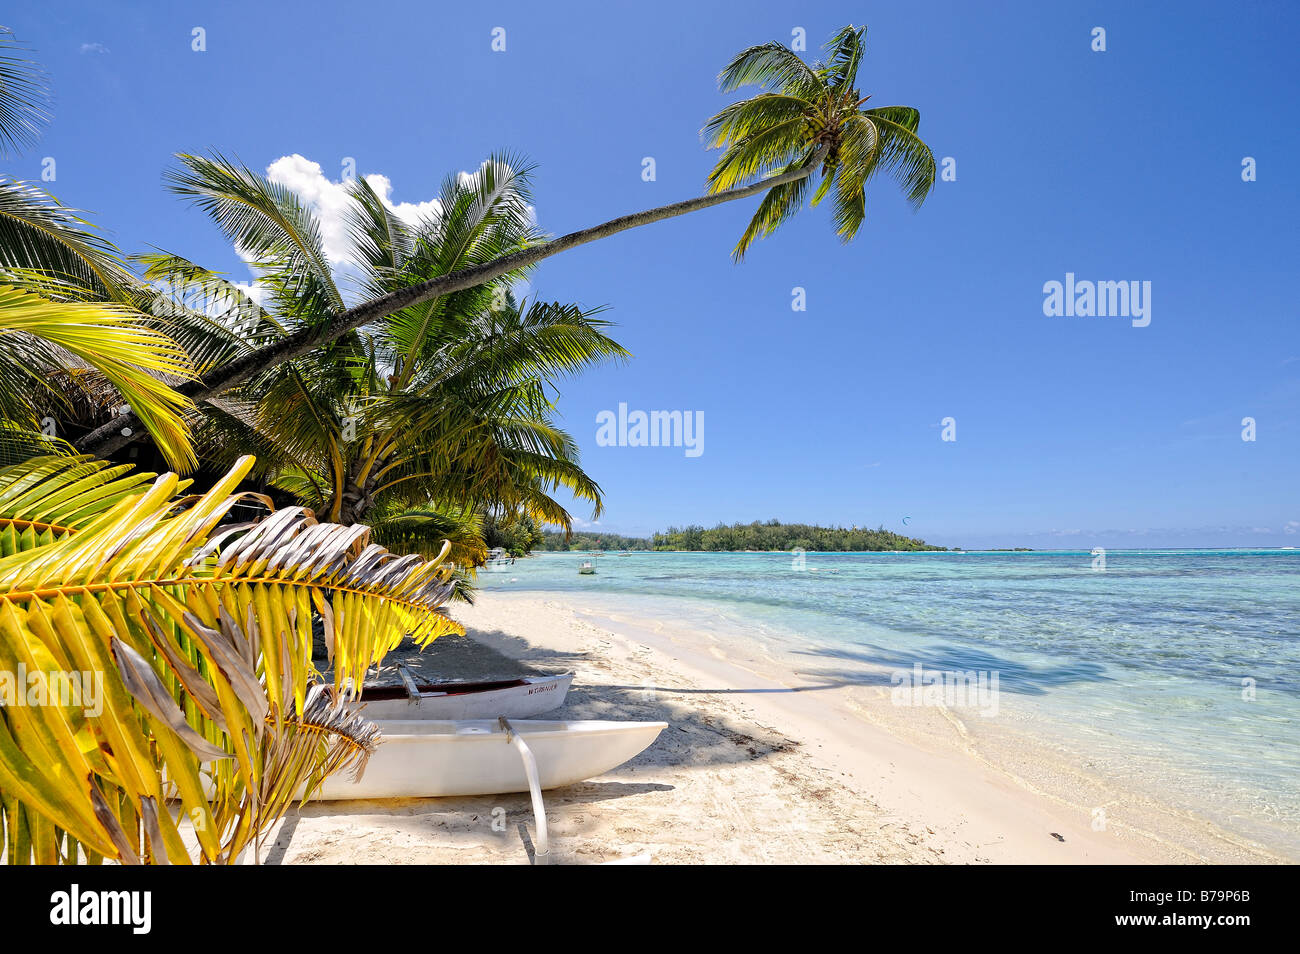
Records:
x=771, y=64
x=844, y=55
x=268, y=222
x=37, y=232
x=428, y=529
x=212, y=318
x=902, y=154
x=24, y=97
x=381, y=241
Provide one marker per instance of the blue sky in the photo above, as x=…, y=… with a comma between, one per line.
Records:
x=1115, y=165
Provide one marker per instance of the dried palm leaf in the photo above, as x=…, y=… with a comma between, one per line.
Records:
x=189, y=641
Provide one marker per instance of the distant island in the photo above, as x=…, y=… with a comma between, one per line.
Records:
x=770, y=536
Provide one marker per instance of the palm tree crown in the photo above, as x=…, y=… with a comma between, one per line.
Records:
x=812, y=117
x=412, y=422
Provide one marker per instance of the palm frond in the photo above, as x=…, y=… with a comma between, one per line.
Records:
x=548, y=340
x=51, y=498
x=904, y=157
x=19, y=443
x=858, y=157
x=478, y=208
x=268, y=222
x=38, y=232
x=381, y=241
x=212, y=318
x=743, y=119
x=331, y=735
x=115, y=341
x=428, y=529
x=24, y=97
x=201, y=633
x=756, y=155
x=844, y=55
x=779, y=205
x=771, y=65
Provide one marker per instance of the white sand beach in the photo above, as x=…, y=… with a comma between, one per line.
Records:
x=758, y=765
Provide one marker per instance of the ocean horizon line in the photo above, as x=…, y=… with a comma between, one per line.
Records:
x=951, y=550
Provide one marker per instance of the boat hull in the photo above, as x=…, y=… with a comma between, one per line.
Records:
x=514, y=699
x=423, y=759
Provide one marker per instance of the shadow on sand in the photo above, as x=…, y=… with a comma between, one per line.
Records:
x=691, y=739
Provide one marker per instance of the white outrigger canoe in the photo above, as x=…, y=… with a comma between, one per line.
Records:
x=425, y=759
x=520, y=698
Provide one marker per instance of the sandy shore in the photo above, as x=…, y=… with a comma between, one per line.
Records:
x=759, y=765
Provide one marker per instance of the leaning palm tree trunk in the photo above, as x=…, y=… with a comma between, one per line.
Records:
x=115, y=435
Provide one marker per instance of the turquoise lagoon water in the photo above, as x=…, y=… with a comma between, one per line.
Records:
x=1139, y=667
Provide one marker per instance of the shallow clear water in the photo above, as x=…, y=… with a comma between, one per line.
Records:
x=1140, y=667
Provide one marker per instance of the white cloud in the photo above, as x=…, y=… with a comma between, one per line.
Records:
x=409, y=212
x=94, y=48
x=255, y=292
x=327, y=199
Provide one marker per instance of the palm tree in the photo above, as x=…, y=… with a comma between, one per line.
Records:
x=810, y=121
x=412, y=422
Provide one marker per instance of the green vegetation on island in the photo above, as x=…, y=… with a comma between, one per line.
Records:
x=772, y=535
x=587, y=541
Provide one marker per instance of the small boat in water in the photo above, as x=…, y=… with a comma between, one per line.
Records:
x=519, y=698
x=424, y=759
x=588, y=567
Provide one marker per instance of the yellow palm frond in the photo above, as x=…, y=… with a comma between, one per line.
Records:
x=164, y=653
x=38, y=334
